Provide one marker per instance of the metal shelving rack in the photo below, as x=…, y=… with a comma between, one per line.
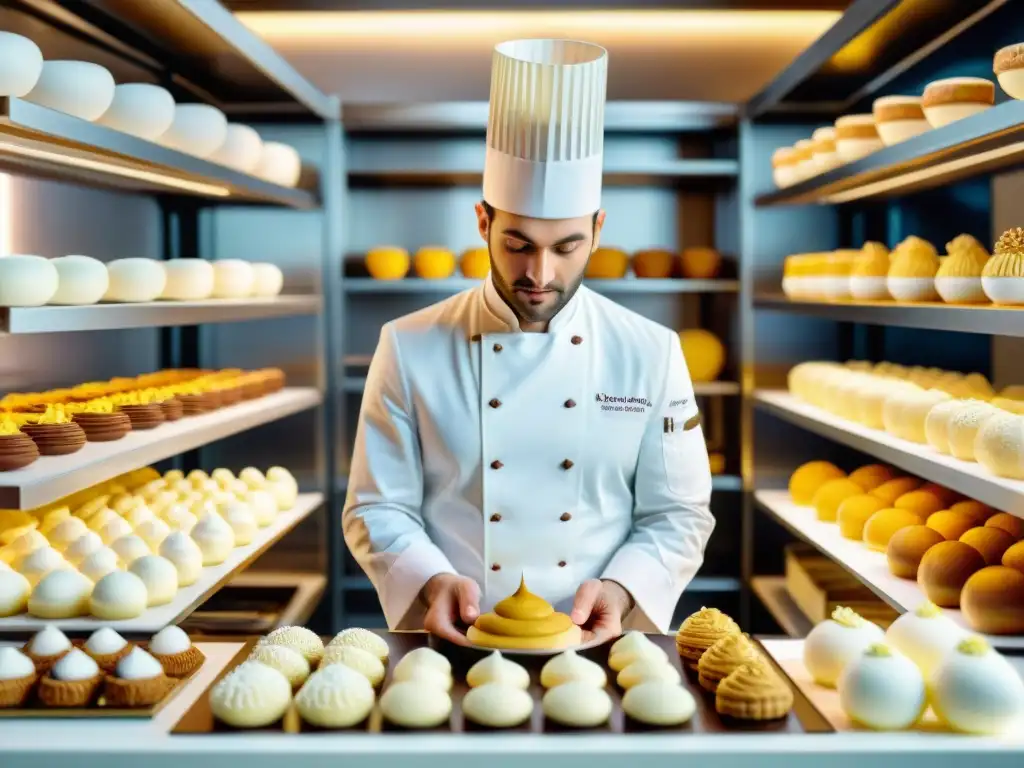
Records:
x=416, y=165
x=199, y=51
x=942, y=183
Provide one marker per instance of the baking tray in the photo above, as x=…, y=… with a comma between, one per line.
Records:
x=804, y=717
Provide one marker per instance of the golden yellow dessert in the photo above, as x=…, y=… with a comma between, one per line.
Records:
x=993, y=601
x=1011, y=524
x=1002, y=276
x=828, y=497
x=922, y=502
x=434, y=262
x=753, y=692
x=700, y=631
x=907, y=547
x=854, y=512
x=608, y=264
x=951, y=525
x=723, y=658
x=387, y=262
x=704, y=353
x=915, y=262
x=893, y=489
x=945, y=569
x=871, y=476
x=524, y=621
x=958, y=280
x=882, y=525
x=807, y=479
x=990, y=542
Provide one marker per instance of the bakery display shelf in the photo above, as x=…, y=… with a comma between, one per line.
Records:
x=867, y=565
x=788, y=656
x=42, y=142
x=627, y=285
x=935, y=316
x=204, y=47
x=188, y=598
x=991, y=141
x=355, y=384
x=967, y=477
x=51, y=478
x=257, y=602
x=774, y=595
x=103, y=317
x=668, y=172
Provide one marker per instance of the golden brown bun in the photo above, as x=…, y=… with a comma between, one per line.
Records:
x=885, y=113
x=944, y=570
x=993, y=601
x=1014, y=557
x=862, y=131
x=952, y=525
x=958, y=93
x=654, y=263
x=980, y=512
x=881, y=526
x=1012, y=525
x=991, y=543
x=1008, y=58
x=906, y=548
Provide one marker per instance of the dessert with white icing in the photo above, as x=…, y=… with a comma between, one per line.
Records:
x=185, y=555
x=335, y=697
x=138, y=681
x=415, y=705
x=72, y=682
x=107, y=647
x=17, y=676
x=118, y=595
x=288, y=662
x=300, y=639
x=173, y=648
x=60, y=594
x=252, y=695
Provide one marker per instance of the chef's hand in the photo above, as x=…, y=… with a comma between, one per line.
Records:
x=450, y=599
x=600, y=607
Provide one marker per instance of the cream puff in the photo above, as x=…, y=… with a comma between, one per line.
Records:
x=173, y=648
x=252, y=695
x=106, y=647
x=334, y=697
x=138, y=681
x=72, y=682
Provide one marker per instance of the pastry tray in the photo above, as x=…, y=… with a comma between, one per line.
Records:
x=804, y=718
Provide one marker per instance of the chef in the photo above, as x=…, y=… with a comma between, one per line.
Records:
x=529, y=427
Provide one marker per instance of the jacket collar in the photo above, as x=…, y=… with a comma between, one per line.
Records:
x=497, y=317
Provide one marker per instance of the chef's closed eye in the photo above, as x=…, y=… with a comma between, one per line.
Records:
x=518, y=246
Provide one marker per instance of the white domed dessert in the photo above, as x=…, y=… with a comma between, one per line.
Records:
x=81, y=280
x=135, y=280
x=427, y=656
x=287, y=661
x=185, y=555
x=999, y=445
x=497, y=705
x=214, y=537
x=644, y=669
x=65, y=532
x=568, y=666
x=197, y=129
x=304, y=641
x=106, y=647
x=964, y=425
x=140, y=109
x=253, y=478
x=27, y=281
x=619, y=661
x=418, y=672
x=188, y=280
x=242, y=522
x=232, y=279
x=17, y=675
x=99, y=563
x=60, y=594
x=415, y=704
x=130, y=548
x=495, y=668
x=26, y=543
x=335, y=697
x=659, y=703
x=114, y=529
x=833, y=643
x=925, y=636
x=40, y=562
x=975, y=690
x=268, y=280
x=21, y=63
x=363, y=662
x=577, y=704
x=79, y=88
x=241, y=149
x=630, y=642
x=882, y=689
x=46, y=647
x=14, y=592
x=908, y=413
x=936, y=425
x=118, y=595
x=252, y=695
x=279, y=164
x=363, y=639
x=160, y=577
x=180, y=518
x=153, y=532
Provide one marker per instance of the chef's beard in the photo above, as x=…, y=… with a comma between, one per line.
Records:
x=526, y=312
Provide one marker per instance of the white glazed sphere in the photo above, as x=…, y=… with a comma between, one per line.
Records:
x=140, y=109
x=79, y=88
x=977, y=691
x=27, y=281
x=883, y=690
x=999, y=446
x=135, y=280
x=188, y=280
x=268, y=280
x=81, y=280
x=241, y=150
x=279, y=164
x=232, y=279
x=197, y=129
x=21, y=63
x=925, y=636
x=831, y=645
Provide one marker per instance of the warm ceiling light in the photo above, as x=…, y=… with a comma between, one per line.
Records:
x=442, y=27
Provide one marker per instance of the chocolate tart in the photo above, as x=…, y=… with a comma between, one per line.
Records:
x=17, y=451
x=172, y=409
x=68, y=693
x=146, y=416
x=103, y=427
x=14, y=693
x=181, y=664
x=56, y=439
x=136, y=693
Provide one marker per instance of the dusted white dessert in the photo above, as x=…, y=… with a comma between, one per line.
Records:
x=364, y=639
x=335, y=697
x=882, y=689
x=252, y=695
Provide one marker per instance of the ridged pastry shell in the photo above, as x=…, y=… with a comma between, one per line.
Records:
x=577, y=704
x=364, y=639
x=17, y=678
x=700, y=631
x=1000, y=446
x=646, y=669
x=335, y=697
x=1003, y=275
x=304, y=641
x=723, y=658
x=659, y=703
x=497, y=705
x=118, y=595
x=14, y=592
x=754, y=692
x=495, y=668
x=287, y=661
x=61, y=594
x=252, y=695
x=415, y=704
x=569, y=666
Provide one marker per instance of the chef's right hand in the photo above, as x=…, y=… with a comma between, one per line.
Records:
x=450, y=599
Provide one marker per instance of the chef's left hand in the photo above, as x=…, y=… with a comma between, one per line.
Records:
x=599, y=608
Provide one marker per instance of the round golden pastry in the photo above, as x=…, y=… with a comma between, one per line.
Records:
x=993, y=601
x=524, y=621
x=990, y=542
x=723, y=658
x=753, y=692
x=945, y=569
x=907, y=547
x=700, y=631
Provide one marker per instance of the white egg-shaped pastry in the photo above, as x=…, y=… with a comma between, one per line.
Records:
x=79, y=88
x=279, y=164
x=268, y=280
x=82, y=547
x=64, y=533
x=130, y=548
x=619, y=661
x=99, y=563
x=964, y=425
x=140, y=109
x=577, y=704
x=497, y=705
x=659, y=703
x=197, y=129
x=188, y=280
x=215, y=538
x=925, y=636
x=415, y=704
x=253, y=478
x=232, y=279
x=242, y=521
x=118, y=595
x=427, y=656
x=40, y=562
x=263, y=506
x=495, y=668
x=21, y=63
x=180, y=518
x=160, y=577
x=568, y=666
x=364, y=639
x=630, y=642
x=252, y=695
x=153, y=532
x=914, y=418
x=14, y=593
x=185, y=555
x=936, y=424
x=27, y=281
x=27, y=542
x=114, y=529
x=646, y=668
x=301, y=639
x=335, y=697
x=60, y=594
x=882, y=689
x=135, y=280
x=999, y=446
x=975, y=690
x=420, y=673
x=241, y=150
x=287, y=661
x=363, y=662
x=81, y=280
x=835, y=642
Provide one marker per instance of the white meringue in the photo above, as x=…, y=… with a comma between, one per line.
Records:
x=75, y=665
x=138, y=665
x=185, y=555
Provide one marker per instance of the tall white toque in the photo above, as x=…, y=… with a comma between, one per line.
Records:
x=545, y=133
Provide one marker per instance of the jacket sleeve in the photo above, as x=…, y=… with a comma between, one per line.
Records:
x=382, y=520
x=672, y=519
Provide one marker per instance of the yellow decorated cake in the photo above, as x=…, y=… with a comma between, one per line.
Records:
x=524, y=621
x=870, y=269
x=915, y=262
x=958, y=280
x=1003, y=276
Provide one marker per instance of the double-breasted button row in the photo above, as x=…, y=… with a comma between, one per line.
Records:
x=496, y=464
x=494, y=402
x=567, y=464
x=497, y=566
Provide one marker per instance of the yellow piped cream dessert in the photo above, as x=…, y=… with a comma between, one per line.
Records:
x=958, y=280
x=1003, y=276
x=869, y=272
x=524, y=621
x=915, y=262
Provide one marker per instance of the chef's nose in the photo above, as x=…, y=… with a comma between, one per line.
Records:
x=540, y=269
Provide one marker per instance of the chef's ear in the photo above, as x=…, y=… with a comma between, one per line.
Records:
x=598, y=224
x=483, y=221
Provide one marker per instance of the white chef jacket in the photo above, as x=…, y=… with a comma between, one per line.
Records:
x=496, y=454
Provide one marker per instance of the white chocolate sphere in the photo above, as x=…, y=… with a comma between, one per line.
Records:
x=27, y=281
x=883, y=690
x=118, y=595
x=140, y=109
x=82, y=280
x=999, y=446
x=252, y=695
x=135, y=280
x=279, y=164
x=188, y=280
x=215, y=538
x=160, y=577
x=977, y=691
x=185, y=555
x=79, y=88
x=964, y=425
x=831, y=645
x=925, y=636
x=232, y=279
x=241, y=150
x=197, y=129
x=21, y=63
x=268, y=280
x=936, y=425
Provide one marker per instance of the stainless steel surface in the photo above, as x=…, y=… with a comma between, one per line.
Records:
x=772, y=592
x=187, y=599
x=104, y=317
x=1004, y=321
x=51, y=478
x=38, y=141
x=626, y=285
